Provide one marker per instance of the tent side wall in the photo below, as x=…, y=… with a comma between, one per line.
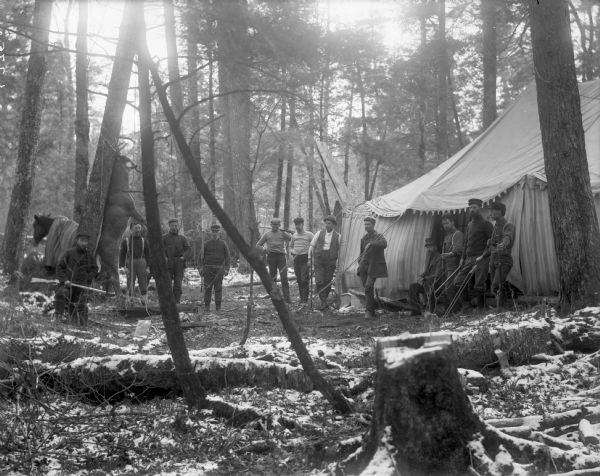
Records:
x=404, y=255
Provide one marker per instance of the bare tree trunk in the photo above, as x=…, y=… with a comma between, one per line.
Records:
x=280, y=159
x=364, y=146
x=442, y=76
x=212, y=128
x=252, y=256
x=348, y=135
x=490, y=61
x=459, y=135
x=572, y=212
x=82, y=122
x=290, y=169
x=422, y=97
x=183, y=179
x=107, y=149
x=234, y=59
x=29, y=131
x=193, y=391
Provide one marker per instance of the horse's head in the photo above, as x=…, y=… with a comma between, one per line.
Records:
x=41, y=227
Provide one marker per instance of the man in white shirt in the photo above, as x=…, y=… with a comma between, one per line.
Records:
x=324, y=250
x=299, y=247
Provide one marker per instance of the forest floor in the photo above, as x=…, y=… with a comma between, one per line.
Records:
x=46, y=432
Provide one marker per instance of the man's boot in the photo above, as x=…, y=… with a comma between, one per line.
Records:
x=218, y=305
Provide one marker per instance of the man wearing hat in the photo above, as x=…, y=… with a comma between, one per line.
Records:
x=214, y=266
x=479, y=231
x=176, y=249
x=299, y=247
x=499, y=251
x=77, y=266
x=371, y=263
x=452, y=248
x=324, y=250
x=421, y=293
x=276, y=241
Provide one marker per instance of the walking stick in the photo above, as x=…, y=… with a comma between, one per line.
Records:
x=311, y=282
x=441, y=286
x=460, y=290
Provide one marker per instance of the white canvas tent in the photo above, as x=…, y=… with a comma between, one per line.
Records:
x=505, y=163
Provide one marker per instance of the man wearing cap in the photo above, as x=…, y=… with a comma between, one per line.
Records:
x=299, y=246
x=479, y=231
x=324, y=250
x=214, y=265
x=176, y=249
x=421, y=293
x=276, y=241
x=452, y=248
x=77, y=266
x=134, y=256
x=499, y=251
x=371, y=263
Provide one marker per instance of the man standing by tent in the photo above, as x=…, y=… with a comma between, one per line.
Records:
x=452, y=248
x=299, y=247
x=324, y=250
x=177, y=249
x=422, y=293
x=499, y=250
x=371, y=263
x=214, y=266
x=479, y=231
x=276, y=241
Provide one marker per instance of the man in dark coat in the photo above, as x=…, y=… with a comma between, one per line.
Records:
x=177, y=250
x=76, y=267
x=421, y=293
x=499, y=250
x=134, y=256
x=324, y=250
x=214, y=265
x=479, y=231
x=371, y=263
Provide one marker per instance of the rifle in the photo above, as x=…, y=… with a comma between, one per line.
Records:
x=55, y=281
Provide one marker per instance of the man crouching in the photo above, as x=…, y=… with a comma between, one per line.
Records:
x=76, y=267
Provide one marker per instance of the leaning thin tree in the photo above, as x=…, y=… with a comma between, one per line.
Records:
x=334, y=396
x=572, y=213
x=193, y=391
x=29, y=132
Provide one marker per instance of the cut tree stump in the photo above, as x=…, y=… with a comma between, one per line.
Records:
x=422, y=417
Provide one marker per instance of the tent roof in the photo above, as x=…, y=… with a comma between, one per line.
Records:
x=506, y=153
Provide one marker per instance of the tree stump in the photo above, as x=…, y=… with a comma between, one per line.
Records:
x=422, y=418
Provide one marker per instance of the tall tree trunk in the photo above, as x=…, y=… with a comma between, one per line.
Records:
x=234, y=59
x=572, y=211
x=290, y=169
x=82, y=122
x=280, y=159
x=193, y=391
x=192, y=35
x=364, y=146
x=459, y=135
x=212, y=128
x=490, y=61
x=107, y=149
x=183, y=179
x=422, y=94
x=335, y=397
x=348, y=135
x=442, y=77
x=29, y=131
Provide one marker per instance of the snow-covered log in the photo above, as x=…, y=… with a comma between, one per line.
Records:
x=118, y=376
x=544, y=422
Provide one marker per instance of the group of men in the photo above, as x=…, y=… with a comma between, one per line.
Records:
x=459, y=275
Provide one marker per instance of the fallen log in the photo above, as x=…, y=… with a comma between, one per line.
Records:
x=544, y=422
x=145, y=376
